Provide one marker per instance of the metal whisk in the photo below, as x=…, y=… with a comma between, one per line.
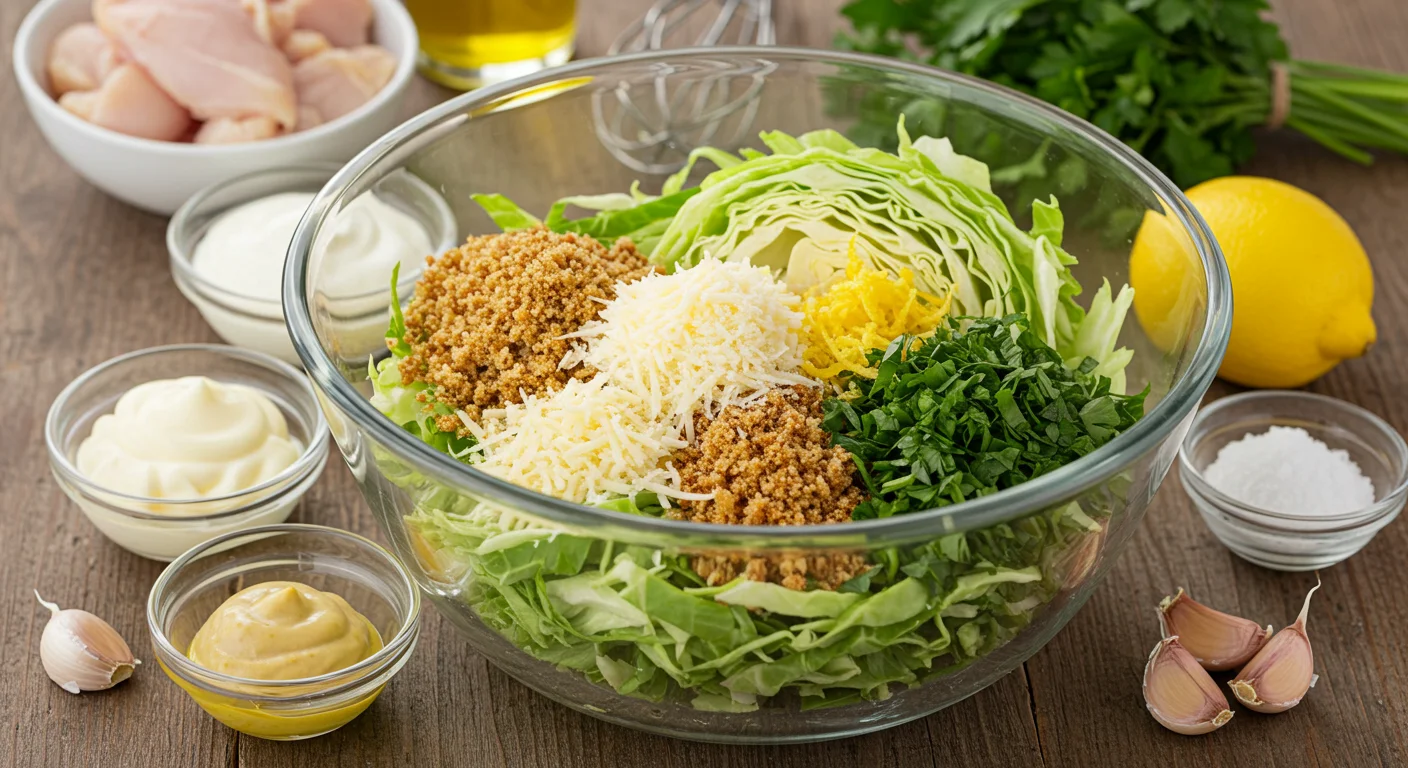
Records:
x=661, y=26
x=650, y=123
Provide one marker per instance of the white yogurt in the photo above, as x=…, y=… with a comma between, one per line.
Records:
x=240, y=263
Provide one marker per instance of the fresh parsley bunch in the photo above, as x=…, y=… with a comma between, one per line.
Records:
x=962, y=414
x=1180, y=81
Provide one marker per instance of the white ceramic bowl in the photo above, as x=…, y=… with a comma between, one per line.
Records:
x=160, y=175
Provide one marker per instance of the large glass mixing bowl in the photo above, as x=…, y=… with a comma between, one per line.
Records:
x=596, y=127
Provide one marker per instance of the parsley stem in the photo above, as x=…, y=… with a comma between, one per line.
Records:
x=1351, y=131
x=1309, y=67
x=897, y=484
x=1330, y=142
x=1350, y=106
x=1397, y=92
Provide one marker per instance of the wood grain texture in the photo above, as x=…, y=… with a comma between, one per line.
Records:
x=84, y=278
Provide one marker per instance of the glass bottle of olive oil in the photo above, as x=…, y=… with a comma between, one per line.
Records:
x=468, y=43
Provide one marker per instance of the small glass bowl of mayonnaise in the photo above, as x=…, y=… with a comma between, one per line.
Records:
x=196, y=585
x=228, y=243
x=225, y=439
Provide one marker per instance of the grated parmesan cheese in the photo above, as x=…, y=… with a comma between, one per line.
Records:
x=587, y=442
x=701, y=339
x=667, y=347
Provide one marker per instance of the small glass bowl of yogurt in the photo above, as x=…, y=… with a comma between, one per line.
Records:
x=373, y=583
x=168, y=447
x=227, y=246
x=1288, y=539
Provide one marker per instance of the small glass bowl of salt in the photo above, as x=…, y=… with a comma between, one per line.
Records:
x=1293, y=481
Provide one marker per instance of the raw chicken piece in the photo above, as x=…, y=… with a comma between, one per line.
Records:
x=272, y=20
x=130, y=102
x=189, y=137
x=304, y=44
x=340, y=80
x=206, y=54
x=233, y=130
x=344, y=23
x=308, y=118
x=80, y=59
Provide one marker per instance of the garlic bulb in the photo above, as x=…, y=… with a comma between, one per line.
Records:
x=1219, y=641
x=81, y=652
x=1180, y=694
x=1282, y=672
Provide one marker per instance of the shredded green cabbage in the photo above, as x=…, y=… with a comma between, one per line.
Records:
x=412, y=406
x=644, y=623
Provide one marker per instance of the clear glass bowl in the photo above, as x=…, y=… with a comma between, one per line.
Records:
x=592, y=127
x=1281, y=539
x=257, y=322
x=368, y=577
x=132, y=522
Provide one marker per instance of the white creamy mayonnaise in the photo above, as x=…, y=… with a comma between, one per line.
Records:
x=187, y=439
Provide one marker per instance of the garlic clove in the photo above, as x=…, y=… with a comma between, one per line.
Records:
x=1282, y=672
x=81, y=652
x=1180, y=694
x=1219, y=641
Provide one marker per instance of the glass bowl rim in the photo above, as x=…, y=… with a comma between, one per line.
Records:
x=311, y=459
x=355, y=674
x=1021, y=500
x=1268, y=518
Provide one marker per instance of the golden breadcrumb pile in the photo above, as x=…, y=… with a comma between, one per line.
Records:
x=485, y=323
x=770, y=463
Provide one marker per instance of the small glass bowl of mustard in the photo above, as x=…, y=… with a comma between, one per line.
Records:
x=161, y=529
x=372, y=581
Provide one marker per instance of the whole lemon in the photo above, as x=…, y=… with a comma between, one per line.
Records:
x=1302, y=287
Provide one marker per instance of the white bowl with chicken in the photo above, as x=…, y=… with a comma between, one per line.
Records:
x=154, y=100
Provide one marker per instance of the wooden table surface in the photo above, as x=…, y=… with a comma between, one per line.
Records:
x=84, y=278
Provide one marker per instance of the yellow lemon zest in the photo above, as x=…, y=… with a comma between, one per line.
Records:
x=865, y=310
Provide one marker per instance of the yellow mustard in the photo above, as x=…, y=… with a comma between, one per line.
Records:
x=281, y=630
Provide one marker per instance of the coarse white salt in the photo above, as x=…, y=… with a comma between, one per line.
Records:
x=1286, y=470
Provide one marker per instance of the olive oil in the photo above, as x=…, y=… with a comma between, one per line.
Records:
x=468, y=43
